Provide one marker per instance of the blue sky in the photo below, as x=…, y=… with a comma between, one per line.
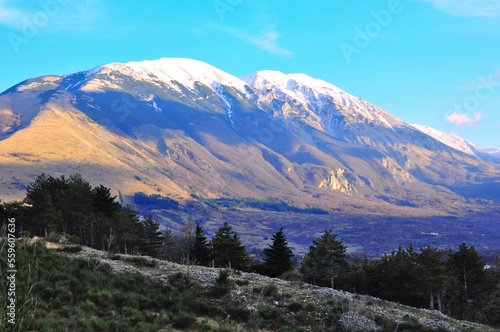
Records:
x=430, y=62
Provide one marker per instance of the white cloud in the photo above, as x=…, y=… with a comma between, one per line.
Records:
x=267, y=40
x=61, y=16
x=10, y=17
x=468, y=8
x=462, y=119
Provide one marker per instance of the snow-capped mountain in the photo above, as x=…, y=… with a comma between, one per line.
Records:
x=183, y=127
x=322, y=98
x=172, y=71
x=461, y=144
x=450, y=139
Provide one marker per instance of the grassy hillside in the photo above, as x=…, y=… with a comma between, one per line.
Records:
x=80, y=289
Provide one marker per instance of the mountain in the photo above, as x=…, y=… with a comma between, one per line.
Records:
x=182, y=128
x=460, y=144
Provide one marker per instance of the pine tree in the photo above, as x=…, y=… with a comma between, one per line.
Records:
x=325, y=260
x=200, y=250
x=227, y=249
x=151, y=237
x=278, y=256
x=468, y=291
x=433, y=274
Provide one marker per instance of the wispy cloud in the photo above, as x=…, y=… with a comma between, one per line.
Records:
x=463, y=119
x=9, y=16
x=468, y=8
x=266, y=40
x=75, y=13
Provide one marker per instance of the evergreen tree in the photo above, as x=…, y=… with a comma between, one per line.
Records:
x=151, y=237
x=43, y=215
x=325, y=260
x=467, y=293
x=278, y=256
x=227, y=249
x=433, y=274
x=200, y=250
x=129, y=230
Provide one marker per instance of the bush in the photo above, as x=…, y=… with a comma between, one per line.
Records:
x=268, y=290
x=242, y=282
x=184, y=320
x=238, y=313
x=292, y=275
x=268, y=312
x=70, y=249
x=142, y=261
x=411, y=324
x=295, y=306
x=204, y=307
x=222, y=285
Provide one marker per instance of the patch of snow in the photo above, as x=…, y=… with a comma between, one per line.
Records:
x=91, y=72
x=185, y=72
x=157, y=109
x=220, y=92
x=450, y=139
x=316, y=93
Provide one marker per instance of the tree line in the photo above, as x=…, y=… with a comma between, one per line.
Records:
x=454, y=282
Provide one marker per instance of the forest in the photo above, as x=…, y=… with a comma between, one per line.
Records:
x=455, y=281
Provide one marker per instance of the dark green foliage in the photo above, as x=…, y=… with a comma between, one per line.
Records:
x=269, y=313
x=72, y=249
x=265, y=205
x=278, y=256
x=204, y=307
x=469, y=283
x=242, y=282
x=151, y=237
x=141, y=261
x=222, y=284
x=238, y=313
x=156, y=200
x=82, y=295
x=295, y=306
x=227, y=249
x=268, y=290
x=325, y=260
x=411, y=325
x=85, y=215
x=200, y=250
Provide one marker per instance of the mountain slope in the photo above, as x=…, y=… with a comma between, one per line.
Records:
x=180, y=127
x=460, y=144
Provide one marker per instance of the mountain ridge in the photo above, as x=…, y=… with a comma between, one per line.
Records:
x=209, y=133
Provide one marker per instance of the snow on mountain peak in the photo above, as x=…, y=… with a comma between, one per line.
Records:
x=450, y=139
x=291, y=83
x=184, y=71
x=317, y=94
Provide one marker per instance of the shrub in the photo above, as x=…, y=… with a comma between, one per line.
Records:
x=242, y=282
x=184, y=320
x=268, y=312
x=238, y=313
x=292, y=275
x=268, y=290
x=295, y=306
x=222, y=285
x=71, y=249
x=203, y=307
x=411, y=324
x=142, y=261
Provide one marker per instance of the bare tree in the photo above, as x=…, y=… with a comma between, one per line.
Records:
x=110, y=238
